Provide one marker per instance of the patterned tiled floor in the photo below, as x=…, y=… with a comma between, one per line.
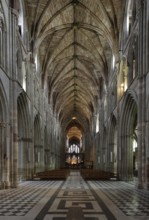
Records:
x=74, y=199
x=132, y=201
x=20, y=201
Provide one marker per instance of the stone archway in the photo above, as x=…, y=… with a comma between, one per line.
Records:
x=127, y=135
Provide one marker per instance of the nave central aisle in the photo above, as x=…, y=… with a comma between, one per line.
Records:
x=74, y=199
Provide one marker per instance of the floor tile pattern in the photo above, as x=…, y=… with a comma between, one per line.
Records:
x=132, y=201
x=18, y=202
x=76, y=201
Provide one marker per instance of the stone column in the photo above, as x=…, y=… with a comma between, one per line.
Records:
x=141, y=135
x=141, y=95
x=20, y=160
x=13, y=98
x=14, y=151
x=147, y=170
x=147, y=95
x=130, y=159
x=2, y=153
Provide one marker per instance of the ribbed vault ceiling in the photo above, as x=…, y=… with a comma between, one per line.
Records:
x=75, y=41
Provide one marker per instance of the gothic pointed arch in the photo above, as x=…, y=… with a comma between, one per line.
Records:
x=128, y=132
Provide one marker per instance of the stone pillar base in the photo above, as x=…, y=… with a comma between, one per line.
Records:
x=4, y=185
x=14, y=186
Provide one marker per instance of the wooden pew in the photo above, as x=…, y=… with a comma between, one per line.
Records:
x=91, y=174
x=59, y=174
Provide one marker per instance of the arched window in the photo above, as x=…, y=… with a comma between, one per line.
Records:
x=129, y=19
x=2, y=40
x=19, y=7
x=133, y=60
x=20, y=22
x=131, y=15
x=123, y=77
x=36, y=62
x=97, y=123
